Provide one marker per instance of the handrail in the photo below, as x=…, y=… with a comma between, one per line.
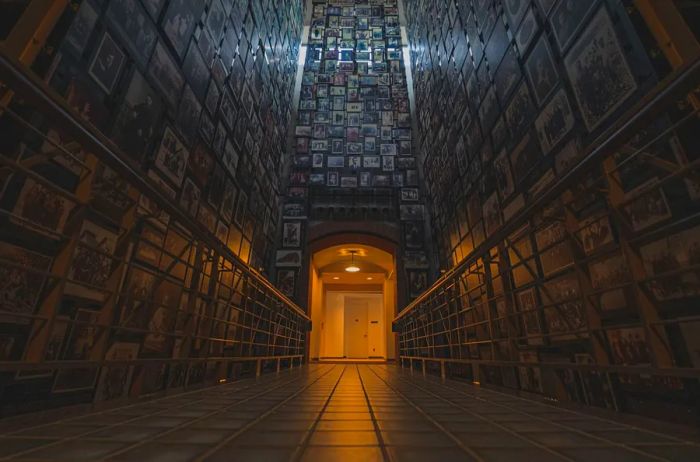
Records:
x=677, y=372
x=676, y=85
x=15, y=76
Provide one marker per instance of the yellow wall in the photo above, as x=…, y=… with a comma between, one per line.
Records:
x=317, y=308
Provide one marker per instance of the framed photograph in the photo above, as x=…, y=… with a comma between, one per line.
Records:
x=411, y=212
x=647, y=209
x=179, y=22
x=416, y=259
x=133, y=26
x=595, y=233
x=592, y=64
x=171, y=158
x=417, y=283
x=291, y=234
x=115, y=381
x=515, y=11
x=288, y=258
x=336, y=161
x=333, y=179
x=526, y=32
x=80, y=30
x=286, y=282
x=107, y=63
x=628, y=346
x=24, y=274
x=504, y=175
x=409, y=194
x=542, y=71
x=165, y=75
x=196, y=71
x=492, y=214
x=528, y=305
x=348, y=182
x=91, y=266
x=190, y=197
x=567, y=19
x=554, y=122
x=40, y=209
x=519, y=112
x=365, y=179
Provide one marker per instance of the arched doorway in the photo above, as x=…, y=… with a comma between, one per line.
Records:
x=351, y=312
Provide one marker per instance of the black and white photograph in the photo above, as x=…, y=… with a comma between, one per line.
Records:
x=179, y=22
x=288, y=258
x=554, y=122
x=286, y=281
x=542, y=71
x=599, y=74
x=417, y=283
x=171, y=158
x=77, y=37
x=165, y=75
x=23, y=274
x=114, y=381
x=520, y=111
x=91, y=266
x=596, y=232
x=647, y=209
x=291, y=234
x=196, y=71
x=567, y=18
x=188, y=114
x=134, y=27
x=107, y=63
x=628, y=346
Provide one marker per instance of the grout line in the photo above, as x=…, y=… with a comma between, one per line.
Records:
x=380, y=439
x=560, y=425
x=437, y=424
x=127, y=421
x=493, y=422
x=301, y=448
x=262, y=416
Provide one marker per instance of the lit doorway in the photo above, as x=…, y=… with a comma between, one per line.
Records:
x=352, y=312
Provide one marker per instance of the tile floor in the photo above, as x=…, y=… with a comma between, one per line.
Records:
x=341, y=412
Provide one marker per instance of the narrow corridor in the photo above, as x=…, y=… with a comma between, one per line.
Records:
x=340, y=412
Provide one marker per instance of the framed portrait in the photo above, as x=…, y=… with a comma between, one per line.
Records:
x=286, y=282
x=107, y=63
x=554, y=122
x=80, y=30
x=179, y=22
x=165, y=75
x=131, y=23
x=291, y=234
x=91, y=266
x=417, y=283
x=171, y=158
x=24, y=274
x=526, y=32
x=592, y=64
x=567, y=18
x=541, y=70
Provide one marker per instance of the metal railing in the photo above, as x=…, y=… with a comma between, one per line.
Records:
x=471, y=321
x=173, y=305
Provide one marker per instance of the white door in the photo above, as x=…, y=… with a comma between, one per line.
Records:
x=355, y=327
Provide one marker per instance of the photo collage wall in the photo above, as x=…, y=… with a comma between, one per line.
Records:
x=196, y=95
x=353, y=129
x=510, y=96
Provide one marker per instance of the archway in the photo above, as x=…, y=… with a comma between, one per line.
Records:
x=351, y=312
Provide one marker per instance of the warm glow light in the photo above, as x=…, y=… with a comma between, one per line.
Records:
x=369, y=278
x=335, y=278
x=352, y=269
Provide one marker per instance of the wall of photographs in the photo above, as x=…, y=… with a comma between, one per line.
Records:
x=511, y=95
x=353, y=159
x=196, y=97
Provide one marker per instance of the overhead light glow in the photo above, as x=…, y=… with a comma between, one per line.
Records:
x=370, y=278
x=335, y=278
x=352, y=268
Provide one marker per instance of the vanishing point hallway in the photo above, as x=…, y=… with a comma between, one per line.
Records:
x=343, y=412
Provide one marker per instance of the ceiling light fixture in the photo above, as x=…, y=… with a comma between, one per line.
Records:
x=352, y=268
x=335, y=278
x=370, y=278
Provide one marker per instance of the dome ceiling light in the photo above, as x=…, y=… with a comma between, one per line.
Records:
x=352, y=268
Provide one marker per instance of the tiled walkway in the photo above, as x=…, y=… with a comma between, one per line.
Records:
x=344, y=413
